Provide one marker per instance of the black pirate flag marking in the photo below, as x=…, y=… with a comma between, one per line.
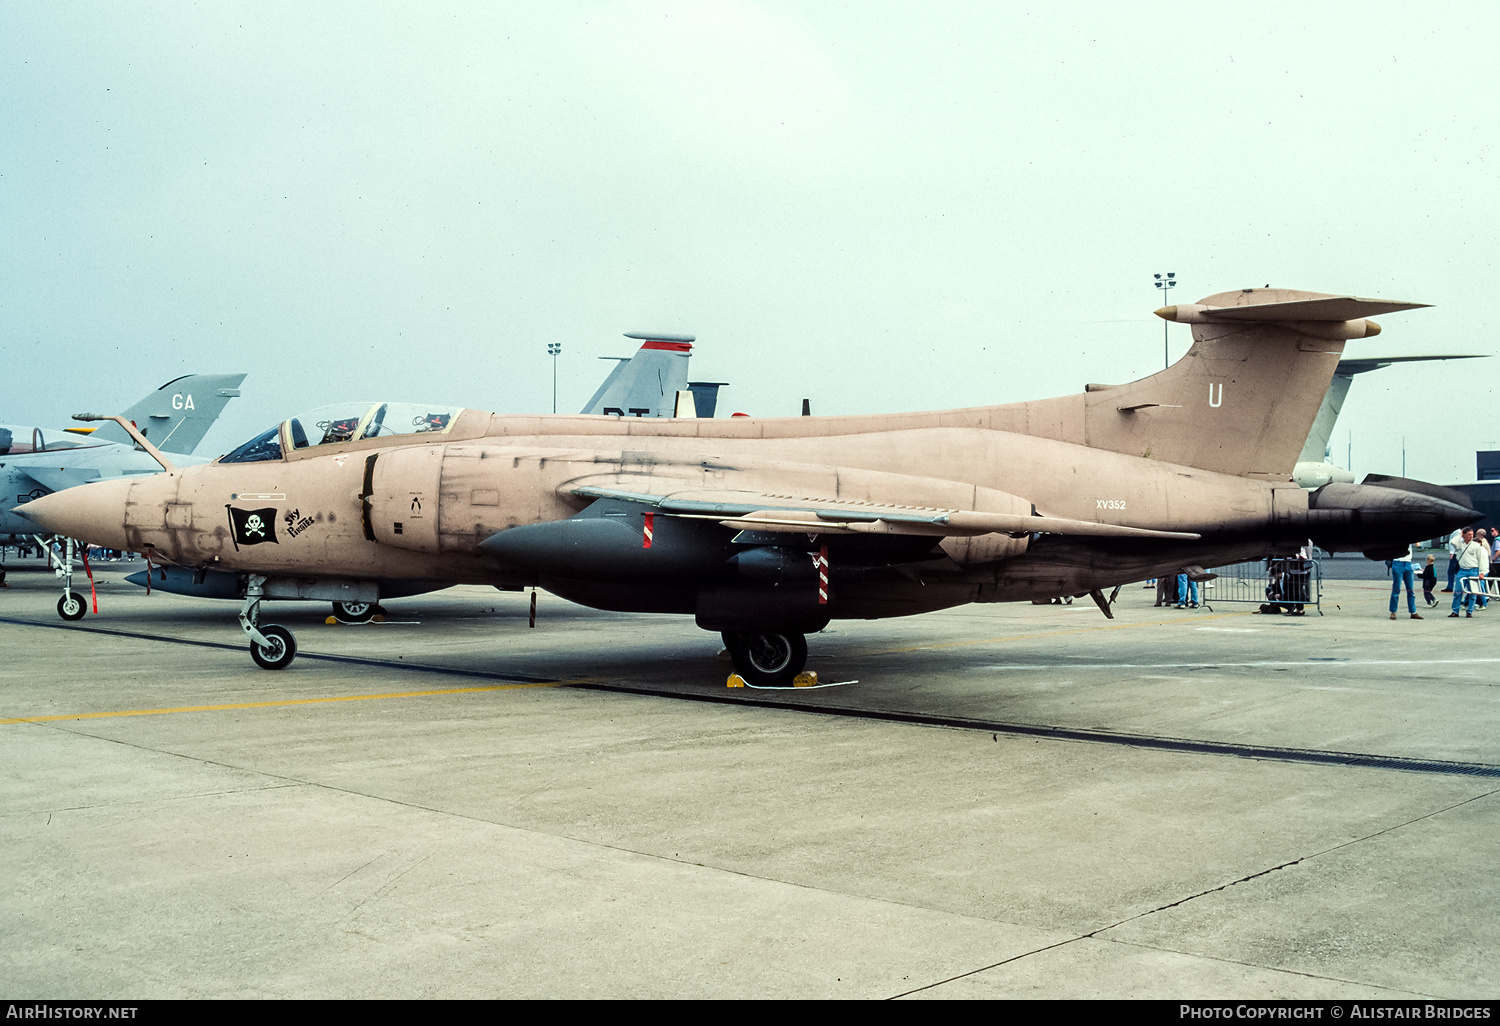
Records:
x=252, y=526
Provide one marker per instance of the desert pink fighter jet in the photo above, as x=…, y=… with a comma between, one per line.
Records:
x=765, y=529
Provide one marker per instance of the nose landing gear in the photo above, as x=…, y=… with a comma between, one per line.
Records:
x=70, y=606
x=767, y=658
x=272, y=646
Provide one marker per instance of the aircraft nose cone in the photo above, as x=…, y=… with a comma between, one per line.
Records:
x=93, y=513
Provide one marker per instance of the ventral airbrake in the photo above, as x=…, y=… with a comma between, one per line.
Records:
x=765, y=529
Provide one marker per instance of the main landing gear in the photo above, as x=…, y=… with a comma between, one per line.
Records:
x=767, y=658
x=356, y=612
x=272, y=646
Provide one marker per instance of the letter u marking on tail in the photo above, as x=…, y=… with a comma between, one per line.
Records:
x=1215, y=400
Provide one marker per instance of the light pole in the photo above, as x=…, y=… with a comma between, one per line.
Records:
x=553, y=348
x=1165, y=282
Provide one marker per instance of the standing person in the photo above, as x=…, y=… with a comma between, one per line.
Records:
x=1473, y=561
x=1455, y=542
x=1187, y=592
x=1429, y=581
x=1401, y=573
x=1166, y=590
x=1488, y=540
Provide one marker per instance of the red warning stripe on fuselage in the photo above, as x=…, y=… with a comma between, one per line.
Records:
x=646, y=538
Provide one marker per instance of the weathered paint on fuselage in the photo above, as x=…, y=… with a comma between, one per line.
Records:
x=506, y=470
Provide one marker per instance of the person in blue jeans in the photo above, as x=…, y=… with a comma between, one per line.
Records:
x=1401, y=571
x=1473, y=561
x=1187, y=592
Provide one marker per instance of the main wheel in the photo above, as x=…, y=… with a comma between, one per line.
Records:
x=71, y=607
x=355, y=612
x=767, y=658
x=279, y=653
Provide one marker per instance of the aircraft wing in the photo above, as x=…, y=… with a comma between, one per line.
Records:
x=56, y=479
x=750, y=511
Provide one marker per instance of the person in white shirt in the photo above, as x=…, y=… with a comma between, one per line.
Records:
x=1473, y=561
x=1401, y=570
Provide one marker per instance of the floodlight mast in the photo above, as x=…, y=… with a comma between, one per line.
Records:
x=1166, y=283
x=553, y=348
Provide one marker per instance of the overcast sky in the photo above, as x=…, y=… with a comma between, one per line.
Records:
x=877, y=206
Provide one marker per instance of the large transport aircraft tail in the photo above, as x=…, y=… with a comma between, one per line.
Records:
x=176, y=416
x=648, y=384
x=1316, y=449
x=1244, y=398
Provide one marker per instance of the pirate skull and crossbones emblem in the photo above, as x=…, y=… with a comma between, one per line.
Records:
x=254, y=525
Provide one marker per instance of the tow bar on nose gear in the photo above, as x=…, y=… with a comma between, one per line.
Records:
x=272, y=646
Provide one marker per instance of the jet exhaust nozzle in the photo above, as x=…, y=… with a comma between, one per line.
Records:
x=1382, y=519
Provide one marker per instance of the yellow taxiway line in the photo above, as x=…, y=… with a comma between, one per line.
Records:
x=291, y=701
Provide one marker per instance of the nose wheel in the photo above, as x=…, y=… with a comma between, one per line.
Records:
x=71, y=607
x=272, y=646
x=767, y=658
x=277, y=651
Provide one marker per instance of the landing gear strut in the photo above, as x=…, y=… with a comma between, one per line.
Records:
x=767, y=658
x=272, y=646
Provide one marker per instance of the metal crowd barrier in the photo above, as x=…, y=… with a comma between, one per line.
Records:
x=1298, y=584
x=1482, y=587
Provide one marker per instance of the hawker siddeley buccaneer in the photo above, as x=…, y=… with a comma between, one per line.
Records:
x=765, y=529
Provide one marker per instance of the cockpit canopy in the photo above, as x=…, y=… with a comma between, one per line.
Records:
x=345, y=422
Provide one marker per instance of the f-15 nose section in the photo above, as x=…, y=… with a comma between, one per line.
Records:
x=93, y=513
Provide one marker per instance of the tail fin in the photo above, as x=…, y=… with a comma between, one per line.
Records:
x=1316, y=449
x=176, y=416
x=646, y=385
x=1244, y=398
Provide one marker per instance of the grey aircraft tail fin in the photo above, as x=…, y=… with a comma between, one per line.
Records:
x=646, y=384
x=1316, y=448
x=176, y=416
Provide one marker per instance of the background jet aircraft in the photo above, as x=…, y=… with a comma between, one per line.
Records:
x=1314, y=467
x=652, y=382
x=37, y=461
x=766, y=529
